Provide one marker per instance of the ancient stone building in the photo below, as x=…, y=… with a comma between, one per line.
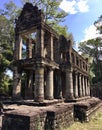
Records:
x=45, y=63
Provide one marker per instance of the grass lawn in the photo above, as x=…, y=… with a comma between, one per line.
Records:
x=94, y=124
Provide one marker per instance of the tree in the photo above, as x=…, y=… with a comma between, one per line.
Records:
x=98, y=24
x=6, y=49
x=93, y=48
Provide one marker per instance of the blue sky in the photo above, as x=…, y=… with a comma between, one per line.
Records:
x=82, y=15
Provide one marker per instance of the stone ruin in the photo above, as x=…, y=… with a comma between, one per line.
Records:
x=52, y=68
x=53, y=72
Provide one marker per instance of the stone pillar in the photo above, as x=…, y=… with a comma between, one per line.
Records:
x=60, y=85
x=18, y=47
x=39, y=84
x=80, y=86
x=87, y=85
x=29, y=48
x=16, y=94
x=88, y=88
x=76, y=85
x=51, y=42
x=49, y=90
x=83, y=80
x=40, y=42
x=69, y=85
x=29, y=85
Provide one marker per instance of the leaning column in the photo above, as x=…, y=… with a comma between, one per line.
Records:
x=69, y=85
x=49, y=85
x=39, y=84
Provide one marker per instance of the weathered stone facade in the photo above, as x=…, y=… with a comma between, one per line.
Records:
x=50, y=118
x=83, y=111
x=51, y=67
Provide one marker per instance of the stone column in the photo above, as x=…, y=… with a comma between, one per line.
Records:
x=60, y=85
x=18, y=47
x=39, y=84
x=83, y=90
x=85, y=87
x=29, y=85
x=40, y=42
x=69, y=85
x=88, y=88
x=51, y=42
x=76, y=85
x=29, y=48
x=49, y=90
x=16, y=94
x=80, y=86
x=83, y=80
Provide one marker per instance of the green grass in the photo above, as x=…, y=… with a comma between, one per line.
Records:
x=94, y=124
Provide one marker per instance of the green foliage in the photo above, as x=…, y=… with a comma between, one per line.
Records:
x=6, y=41
x=61, y=30
x=10, y=11
x=93, y=48
x=5, y=84
x=98, y=24
x=6, y=51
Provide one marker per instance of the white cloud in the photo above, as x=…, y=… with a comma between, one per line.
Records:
x=91, y=33
x=83, y=6
x=74, y=7
x=68, y=6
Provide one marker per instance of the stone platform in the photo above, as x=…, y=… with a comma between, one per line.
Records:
x=51, y=117
x=78, y=99
x=33, y=103
x=83, y=110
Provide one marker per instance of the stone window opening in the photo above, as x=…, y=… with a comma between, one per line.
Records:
x=28, y=45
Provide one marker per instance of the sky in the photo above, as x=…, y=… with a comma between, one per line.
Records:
x=81, y=17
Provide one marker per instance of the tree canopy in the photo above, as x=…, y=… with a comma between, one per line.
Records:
x=93, y=48
x=6, y=50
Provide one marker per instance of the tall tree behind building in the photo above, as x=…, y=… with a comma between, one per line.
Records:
x=93, y=48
